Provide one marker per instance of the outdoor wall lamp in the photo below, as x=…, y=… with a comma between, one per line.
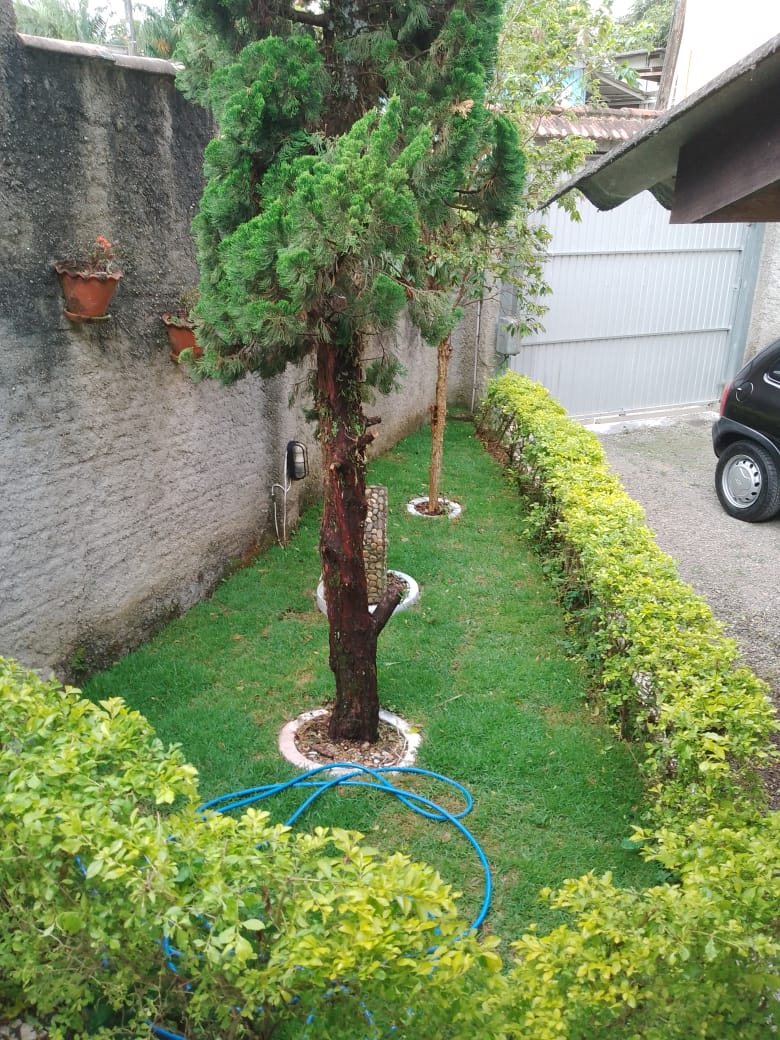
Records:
x=296, y=466
x=297, y=461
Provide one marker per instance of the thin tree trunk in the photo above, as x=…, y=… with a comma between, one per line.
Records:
x=354, y=631
x=438, y=423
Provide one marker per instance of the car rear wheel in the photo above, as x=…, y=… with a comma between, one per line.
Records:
x=747, y=482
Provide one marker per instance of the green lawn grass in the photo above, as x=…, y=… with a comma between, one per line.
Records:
x=478, y=666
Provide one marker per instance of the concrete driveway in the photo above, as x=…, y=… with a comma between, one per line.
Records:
x=666, y=463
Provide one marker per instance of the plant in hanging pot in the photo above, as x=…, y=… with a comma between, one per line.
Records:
x=88, y=285
x=181, y=327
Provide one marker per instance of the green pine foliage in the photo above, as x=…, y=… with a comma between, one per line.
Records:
x=311, y=223
x=294, y=273
x=349, y=134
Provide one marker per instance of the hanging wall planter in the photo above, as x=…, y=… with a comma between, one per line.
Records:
x=89, y=285
x=87, y=296
x=181, y=335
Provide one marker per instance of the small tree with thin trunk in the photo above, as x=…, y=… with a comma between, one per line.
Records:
x=653, y=18
x=542, y=43
x=346, y=134
x=457, y=255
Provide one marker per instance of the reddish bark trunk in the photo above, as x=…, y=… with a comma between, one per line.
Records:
x=354, y=631
x=438, y=423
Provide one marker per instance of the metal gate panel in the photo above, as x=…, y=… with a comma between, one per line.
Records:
x=648, y=372
x=641, y=311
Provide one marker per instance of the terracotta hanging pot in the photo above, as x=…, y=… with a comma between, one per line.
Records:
x=181, y=335
x=87, y=294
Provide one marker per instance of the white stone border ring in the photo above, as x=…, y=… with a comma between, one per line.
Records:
x=410, y=598
x=452, y=509
x=290, y=752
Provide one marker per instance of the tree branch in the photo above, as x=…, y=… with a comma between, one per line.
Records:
x=307, y=18
x=387, y=604
x=364, y=440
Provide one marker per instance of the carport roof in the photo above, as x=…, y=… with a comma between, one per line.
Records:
x=713, y=157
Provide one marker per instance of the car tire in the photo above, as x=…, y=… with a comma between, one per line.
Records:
x=747, y=482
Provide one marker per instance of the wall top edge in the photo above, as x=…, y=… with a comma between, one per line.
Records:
x=92, y=50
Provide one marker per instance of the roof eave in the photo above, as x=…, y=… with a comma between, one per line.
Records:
x=648, y=162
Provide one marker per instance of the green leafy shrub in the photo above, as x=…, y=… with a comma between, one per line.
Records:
x=663, y=666
x=122, y=906
x=697, y=956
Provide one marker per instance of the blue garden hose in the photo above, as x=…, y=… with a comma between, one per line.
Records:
x=351, y=775
x=348, y=777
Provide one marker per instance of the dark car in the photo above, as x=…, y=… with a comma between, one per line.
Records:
x=746, y=439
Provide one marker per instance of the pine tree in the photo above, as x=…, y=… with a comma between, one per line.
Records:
x=348, y=136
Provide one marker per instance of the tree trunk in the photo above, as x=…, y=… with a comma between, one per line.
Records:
x=354, y=631
x=438, y=422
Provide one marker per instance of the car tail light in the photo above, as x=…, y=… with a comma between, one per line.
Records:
x=723, y=397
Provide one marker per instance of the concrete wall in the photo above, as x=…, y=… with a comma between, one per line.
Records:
x=716, y=34
x=714, y=37
x=126, y=491
x=765, y=316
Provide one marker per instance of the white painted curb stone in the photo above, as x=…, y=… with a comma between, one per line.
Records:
x=291, y=753
x=453, y=509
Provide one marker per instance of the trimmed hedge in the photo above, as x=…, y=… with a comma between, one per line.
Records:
x=661, y=662
x=117, y=912
x=122, y=907
x=697, y=957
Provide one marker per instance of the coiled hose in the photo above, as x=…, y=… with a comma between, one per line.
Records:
x=347, y=774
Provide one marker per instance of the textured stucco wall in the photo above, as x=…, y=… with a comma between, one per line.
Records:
x=125, y=490
x=474, y=361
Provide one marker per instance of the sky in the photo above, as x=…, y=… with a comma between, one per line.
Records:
x=619, y=7
x=114, y=10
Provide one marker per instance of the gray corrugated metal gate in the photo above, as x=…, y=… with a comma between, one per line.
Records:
x=644, y=314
